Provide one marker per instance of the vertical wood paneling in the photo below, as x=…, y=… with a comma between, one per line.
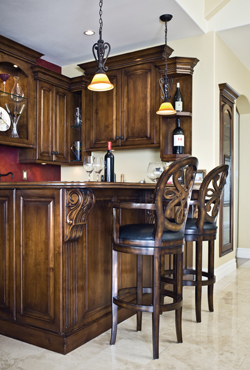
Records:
x=38, y=258
x=7, y=299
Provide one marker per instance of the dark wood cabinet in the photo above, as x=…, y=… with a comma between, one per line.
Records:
x=53, y=119
x=103, y=115
x=17, y=60
x=55, y=265
x=7, y=292
x=140, y=124
x=38, y=253
x=126, y=115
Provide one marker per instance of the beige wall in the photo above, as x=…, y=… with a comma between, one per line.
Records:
x=217, y=65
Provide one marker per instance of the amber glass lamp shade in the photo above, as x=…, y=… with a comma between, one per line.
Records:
x=100, y=82
x=166, y=109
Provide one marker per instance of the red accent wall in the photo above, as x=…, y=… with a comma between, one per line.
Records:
x=36, y=172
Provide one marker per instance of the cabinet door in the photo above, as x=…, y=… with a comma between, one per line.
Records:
x=52, y=122
x=103, y=115
x=45, y=109
x=61, y=128
x=38, y=256
x=139, y=117
x=7, y=309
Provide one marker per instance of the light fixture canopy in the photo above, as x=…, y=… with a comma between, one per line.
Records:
x=100, y=81
x=165, y=83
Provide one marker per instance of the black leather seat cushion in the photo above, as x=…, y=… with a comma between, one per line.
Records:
x=145, y=232
x=191, y=225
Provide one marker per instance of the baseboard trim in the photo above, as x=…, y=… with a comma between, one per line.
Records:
x=225, y=269
x=243, y=252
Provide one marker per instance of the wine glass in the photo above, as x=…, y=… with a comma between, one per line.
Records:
x=98, y=166
x=4, y=77
x=155, y=170
x=88, y=165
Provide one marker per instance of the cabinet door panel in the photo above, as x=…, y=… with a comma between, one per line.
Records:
x=61, y=125
x=103, y=115
x=6, y=253
x=45, y=120
x=138, y=106
x=38, y=259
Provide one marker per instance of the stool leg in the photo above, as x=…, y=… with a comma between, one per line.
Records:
x=210, y=290
x=139, y=289
x=156, y=302
x=198, y=287
x=178, y=292
x=114, y=294
x=162, y=282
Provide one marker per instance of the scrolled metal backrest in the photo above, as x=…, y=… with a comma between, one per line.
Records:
x=172, y=200
x=210, y=194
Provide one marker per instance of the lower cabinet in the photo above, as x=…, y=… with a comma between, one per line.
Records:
x=7, y=309
x=38, y=269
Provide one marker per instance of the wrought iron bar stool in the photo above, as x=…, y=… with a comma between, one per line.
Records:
x=202, y=229
x=165, y=237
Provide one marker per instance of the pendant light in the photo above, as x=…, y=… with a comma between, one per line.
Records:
x=165, y=83
x=100, y=81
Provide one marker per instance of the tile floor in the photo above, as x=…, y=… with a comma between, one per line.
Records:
x=221, y=341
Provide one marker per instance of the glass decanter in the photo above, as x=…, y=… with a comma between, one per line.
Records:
x=17, y=92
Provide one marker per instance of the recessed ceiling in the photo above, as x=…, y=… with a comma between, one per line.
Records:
x=55, y=28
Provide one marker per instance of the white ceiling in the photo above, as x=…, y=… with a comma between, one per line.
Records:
x=55, y=28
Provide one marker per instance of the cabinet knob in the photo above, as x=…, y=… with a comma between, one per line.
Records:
x=119, y=137
x=54, y=153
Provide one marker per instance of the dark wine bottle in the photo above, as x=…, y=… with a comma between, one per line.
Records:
x=178, y=138
x=109, y=165
x=178, y=102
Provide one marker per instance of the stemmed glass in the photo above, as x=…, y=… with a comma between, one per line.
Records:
x=155, y=170
x=88, y=165
x=4, y=77
x=98, y=166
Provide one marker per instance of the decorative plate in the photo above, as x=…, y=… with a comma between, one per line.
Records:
x=4, y=120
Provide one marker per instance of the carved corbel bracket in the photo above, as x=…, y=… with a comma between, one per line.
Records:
x=78, y=204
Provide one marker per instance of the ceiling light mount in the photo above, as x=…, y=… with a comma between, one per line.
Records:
x=166, y=82
x=101, y=51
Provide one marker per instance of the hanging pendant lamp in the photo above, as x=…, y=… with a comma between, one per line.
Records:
x=100, y=81
x=165, y=83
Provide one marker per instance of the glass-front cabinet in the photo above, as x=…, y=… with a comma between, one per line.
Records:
x=17, y=94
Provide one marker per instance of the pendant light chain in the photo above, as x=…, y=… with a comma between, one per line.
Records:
x=100, y=20
x=101, y=50
x=165, y=53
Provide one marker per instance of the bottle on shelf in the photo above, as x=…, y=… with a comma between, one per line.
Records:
x=178, y=138
x=109, y=165
x=178, y=102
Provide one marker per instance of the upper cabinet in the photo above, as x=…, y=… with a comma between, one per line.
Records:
x=17, y=94
x=57, y=98
x=53, y=118
x=126, y=115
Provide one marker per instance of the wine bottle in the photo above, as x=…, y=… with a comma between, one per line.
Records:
x=178, y=138
x=178, y=102
x=109, y=165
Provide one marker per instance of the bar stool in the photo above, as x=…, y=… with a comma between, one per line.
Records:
x=166, y=236
x=202, y=229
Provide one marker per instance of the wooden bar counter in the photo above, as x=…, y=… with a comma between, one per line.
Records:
x=55, y=265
